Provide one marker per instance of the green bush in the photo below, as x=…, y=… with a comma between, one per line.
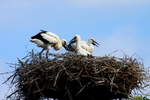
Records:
x=145, y=97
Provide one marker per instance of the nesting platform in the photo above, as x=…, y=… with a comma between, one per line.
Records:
x=72, y=77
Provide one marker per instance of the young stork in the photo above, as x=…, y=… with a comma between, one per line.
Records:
x=81, y=47
x=69, y=47
x=46, y=40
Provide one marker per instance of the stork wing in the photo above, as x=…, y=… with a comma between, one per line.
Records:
x=49, y=38
x=86, y=47
x=72, y=46
x=52, y=35
x=38, y=42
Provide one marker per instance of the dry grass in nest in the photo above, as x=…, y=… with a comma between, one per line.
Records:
x=72, y=77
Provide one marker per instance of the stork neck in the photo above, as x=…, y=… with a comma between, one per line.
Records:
x=78, y=44
x=65, y=45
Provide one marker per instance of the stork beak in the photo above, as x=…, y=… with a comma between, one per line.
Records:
x=95, y=43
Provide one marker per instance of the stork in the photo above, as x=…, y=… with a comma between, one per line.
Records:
x=46, y=40
x=82, y=47
x=69, y=46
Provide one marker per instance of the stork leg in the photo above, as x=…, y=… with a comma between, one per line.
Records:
x=90, y=56
x=40, y=54
x=47, y=52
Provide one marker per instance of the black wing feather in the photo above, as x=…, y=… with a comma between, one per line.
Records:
x=38, y=36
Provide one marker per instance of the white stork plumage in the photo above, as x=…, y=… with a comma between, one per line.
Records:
x=46, y=40
x=81, y=47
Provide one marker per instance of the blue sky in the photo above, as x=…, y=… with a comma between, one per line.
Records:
x=117, y=24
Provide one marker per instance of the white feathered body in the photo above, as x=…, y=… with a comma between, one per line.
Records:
x=83, y=47
x=40, y=43
x=53, y=39
x=46, y=40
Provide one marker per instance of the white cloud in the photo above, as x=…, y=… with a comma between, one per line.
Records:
x=4, y=88
x=123, y=39
x=12, y=10
x=1, y=65
x=106, y=3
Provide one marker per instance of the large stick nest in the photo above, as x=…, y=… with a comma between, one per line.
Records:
x=72, y=77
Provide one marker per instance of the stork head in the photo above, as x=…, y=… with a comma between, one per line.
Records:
x=77, y=37
x=64, y=42
x=92, y=41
